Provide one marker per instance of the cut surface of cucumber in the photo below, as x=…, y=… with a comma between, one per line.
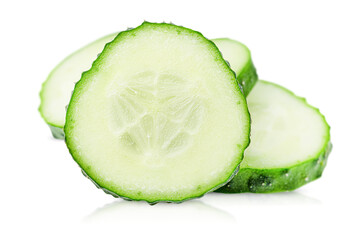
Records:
x=240, y=60
x=290, y=142
x=56, y=90
x=158, y=117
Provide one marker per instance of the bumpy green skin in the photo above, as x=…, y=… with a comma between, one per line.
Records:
x=247, y=77
x=277, y=180
x=281, y=179
x=57, y=132
x=115, y=195
x=96, y=180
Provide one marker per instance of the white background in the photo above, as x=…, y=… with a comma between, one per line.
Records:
x=298, y=44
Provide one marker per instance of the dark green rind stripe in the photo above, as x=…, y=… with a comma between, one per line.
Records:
x=57, y=132
x=68, y=128
x=247, y=78
x=277, y=180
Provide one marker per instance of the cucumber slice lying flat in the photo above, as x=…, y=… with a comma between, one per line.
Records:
x=56, y=90
x=290, y=142
x=239, y=57
x=158, y=117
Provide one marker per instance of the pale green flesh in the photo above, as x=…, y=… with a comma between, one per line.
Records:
x=57, y=89
x=286, y=131
x=159, y=117
x=235, y=52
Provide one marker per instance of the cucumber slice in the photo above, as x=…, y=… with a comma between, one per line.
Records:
x=290, y=143
x=158, y=117
x=56, y=90
x=239, y=57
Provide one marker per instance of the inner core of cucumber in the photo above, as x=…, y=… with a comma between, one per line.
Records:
x=155, y=114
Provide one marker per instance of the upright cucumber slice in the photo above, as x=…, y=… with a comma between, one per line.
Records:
x=290, y=142
x=56, y=90
x=158, y=117
x=240, y=61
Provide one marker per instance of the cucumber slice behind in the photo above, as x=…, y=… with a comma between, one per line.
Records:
x=158, y=117
x=240, y=60
x=290, y=143
x=56, y=90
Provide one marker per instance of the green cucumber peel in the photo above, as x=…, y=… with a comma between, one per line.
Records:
x=281, y=177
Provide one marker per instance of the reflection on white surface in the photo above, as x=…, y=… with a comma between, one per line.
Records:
x=199, y=211
x=263, y=199
x=195, y=211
